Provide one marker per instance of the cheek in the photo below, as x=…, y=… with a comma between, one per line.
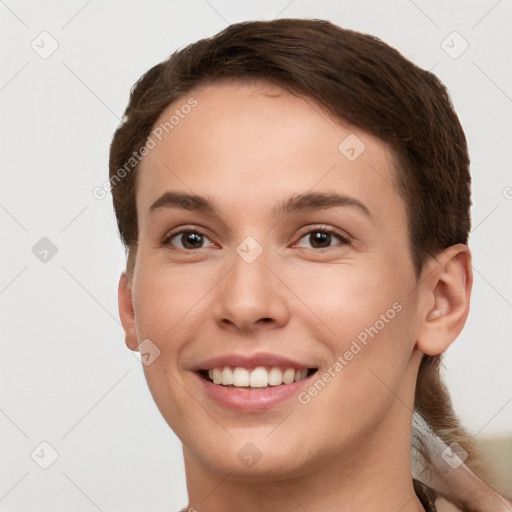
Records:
x=370, y=350
x=166, y=300
x=351, y=299
x=164, y=303
x=369, y=321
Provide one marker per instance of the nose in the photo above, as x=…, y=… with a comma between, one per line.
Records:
x=251, y=296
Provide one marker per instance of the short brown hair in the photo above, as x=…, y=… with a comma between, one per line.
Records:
x=356, y=78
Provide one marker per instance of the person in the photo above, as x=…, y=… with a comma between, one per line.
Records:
x=294, y=200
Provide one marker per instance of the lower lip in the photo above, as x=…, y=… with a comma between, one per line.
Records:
x=252, y=400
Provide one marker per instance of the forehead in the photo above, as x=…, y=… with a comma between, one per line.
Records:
x=242, y=140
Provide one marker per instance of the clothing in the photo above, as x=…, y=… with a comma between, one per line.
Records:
x=426, y=495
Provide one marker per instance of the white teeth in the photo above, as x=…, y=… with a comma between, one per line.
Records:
x=227, y=376
x=300, y=374
x=240, y=377
x=288, y=375
x=259, y=377
x=217, y=376
x=275, y=377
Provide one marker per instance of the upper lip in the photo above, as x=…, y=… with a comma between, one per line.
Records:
x=251, y=360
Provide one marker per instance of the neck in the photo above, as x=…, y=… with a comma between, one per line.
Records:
x=357, y=482
x=374, y=473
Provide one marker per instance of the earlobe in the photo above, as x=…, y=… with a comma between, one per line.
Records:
x=446, y=296
x=126, y=312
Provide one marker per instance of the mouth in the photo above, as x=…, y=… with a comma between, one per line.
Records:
x=254, y=383
x=255, y=378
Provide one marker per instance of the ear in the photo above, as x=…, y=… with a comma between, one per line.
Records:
x=445, y=295
x=126, y=312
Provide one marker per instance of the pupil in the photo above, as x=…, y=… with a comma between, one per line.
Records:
x=320, y=237
x=191, y=239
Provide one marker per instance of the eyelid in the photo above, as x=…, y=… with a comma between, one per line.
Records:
x=184, y=229
x=342, y=235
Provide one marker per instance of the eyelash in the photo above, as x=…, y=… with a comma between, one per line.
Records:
x=344, y=239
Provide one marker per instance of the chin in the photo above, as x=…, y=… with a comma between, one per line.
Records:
x=255, y=460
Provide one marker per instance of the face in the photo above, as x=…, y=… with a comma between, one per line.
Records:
x=272, y=240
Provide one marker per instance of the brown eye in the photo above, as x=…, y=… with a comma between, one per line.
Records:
x=323, y=238
x=186, y=240
x=320, y=238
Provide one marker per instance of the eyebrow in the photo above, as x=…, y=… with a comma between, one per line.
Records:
x=308, y=201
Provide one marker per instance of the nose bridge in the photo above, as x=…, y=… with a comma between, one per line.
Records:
x=250, y=291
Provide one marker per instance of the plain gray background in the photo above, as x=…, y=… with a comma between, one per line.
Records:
x=67, y=378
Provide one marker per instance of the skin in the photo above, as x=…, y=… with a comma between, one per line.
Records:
x=249, y=147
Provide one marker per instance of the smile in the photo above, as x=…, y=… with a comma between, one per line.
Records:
x=258, y=377
x=253, y=382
